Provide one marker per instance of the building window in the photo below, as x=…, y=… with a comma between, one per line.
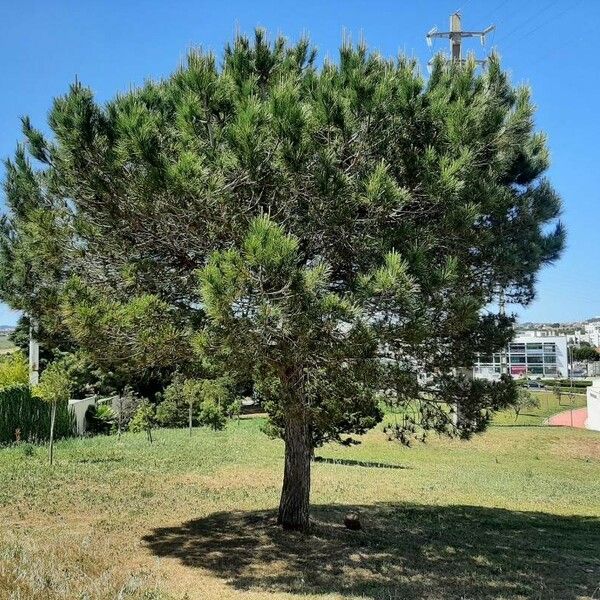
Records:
x=535, y=358
x=534, y=347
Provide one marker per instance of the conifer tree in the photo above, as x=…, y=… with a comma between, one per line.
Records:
x=330, y=232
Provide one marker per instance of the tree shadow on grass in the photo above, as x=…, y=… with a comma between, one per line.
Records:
x=404, y=551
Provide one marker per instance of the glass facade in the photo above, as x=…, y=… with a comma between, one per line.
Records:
x=522, y=359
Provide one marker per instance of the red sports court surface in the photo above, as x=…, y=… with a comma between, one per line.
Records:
x=570, y=418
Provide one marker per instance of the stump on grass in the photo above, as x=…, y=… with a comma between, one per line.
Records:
x=352, y=521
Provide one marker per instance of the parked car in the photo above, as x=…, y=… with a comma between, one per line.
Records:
x=536, y=385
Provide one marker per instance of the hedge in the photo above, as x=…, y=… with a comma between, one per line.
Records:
x=21, y=410
x=580, y=383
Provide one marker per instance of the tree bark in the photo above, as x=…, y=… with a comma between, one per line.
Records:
x=295, y=493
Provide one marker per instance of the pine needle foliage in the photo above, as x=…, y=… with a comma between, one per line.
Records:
x=331, y=233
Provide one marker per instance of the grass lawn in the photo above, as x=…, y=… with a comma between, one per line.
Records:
x=511, y=514
x=549, y=405
x=6, y=346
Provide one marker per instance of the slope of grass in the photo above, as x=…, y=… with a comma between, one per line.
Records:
x=549, y=405
x=512, y=514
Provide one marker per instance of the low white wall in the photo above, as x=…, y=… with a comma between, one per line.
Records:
x=593, y=406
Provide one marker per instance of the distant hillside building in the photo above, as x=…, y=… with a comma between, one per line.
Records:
x=592, y=331
x=527, y=356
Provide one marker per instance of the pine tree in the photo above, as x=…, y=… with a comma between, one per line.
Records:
x=329, y=232
x=34, y=235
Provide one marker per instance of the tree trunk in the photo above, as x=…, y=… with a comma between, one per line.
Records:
x=120, y=417
x=295, y=493
x=190, y=418
x=52, y=419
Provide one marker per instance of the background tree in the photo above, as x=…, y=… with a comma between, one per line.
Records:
x=352, y=225
x=34, y=238
x=557, y=391
x=54, y=388
x=144, y=419
x=524, y=400
x=196, y=402
x=585, y=353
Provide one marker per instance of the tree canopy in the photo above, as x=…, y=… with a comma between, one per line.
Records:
x=338, y=234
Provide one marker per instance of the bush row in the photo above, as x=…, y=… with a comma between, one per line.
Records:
x=577, y=383
x=25, y=417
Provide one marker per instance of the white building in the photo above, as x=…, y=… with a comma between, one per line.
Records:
x=527, y=356
x=592, y=331
x=593, y=406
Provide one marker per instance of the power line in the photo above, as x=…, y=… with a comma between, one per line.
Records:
x=527, y=21
x=560, y=14
x=498, y=7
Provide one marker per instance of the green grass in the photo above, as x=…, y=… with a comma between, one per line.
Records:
x=6, y=344
x=512, y=514
x=549, y=405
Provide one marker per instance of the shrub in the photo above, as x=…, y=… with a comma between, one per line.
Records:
x=169, y=414
x=210, y=402
x=27, y=449
x=21, y=411
x=100, y=419
x=174, y=410
x=144, y=419
x=216, y=400
x=212, y=415
x=14, y=369
x=583, y=383
x=124, y=407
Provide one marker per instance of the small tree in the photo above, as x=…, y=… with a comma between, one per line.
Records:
x=144, y=419
x=54, y=388
x=181, y=398
x=557, y=392
x=127, y=403
x=524, y=400
x=197, y=401
x=216, y=400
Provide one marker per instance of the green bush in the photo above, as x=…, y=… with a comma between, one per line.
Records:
x=580, y=383
x=144, y=419
x=211, y=400
x=212, y=415
x=173, y=411
x=100, y=419
x=14, y=369
x=170, y=413
x=26, y=417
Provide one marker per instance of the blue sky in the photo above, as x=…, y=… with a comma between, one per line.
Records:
x=111, y=45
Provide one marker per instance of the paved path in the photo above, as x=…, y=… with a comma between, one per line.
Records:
x=566, y=419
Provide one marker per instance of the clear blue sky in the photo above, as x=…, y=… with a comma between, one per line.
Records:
x=111, y=45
